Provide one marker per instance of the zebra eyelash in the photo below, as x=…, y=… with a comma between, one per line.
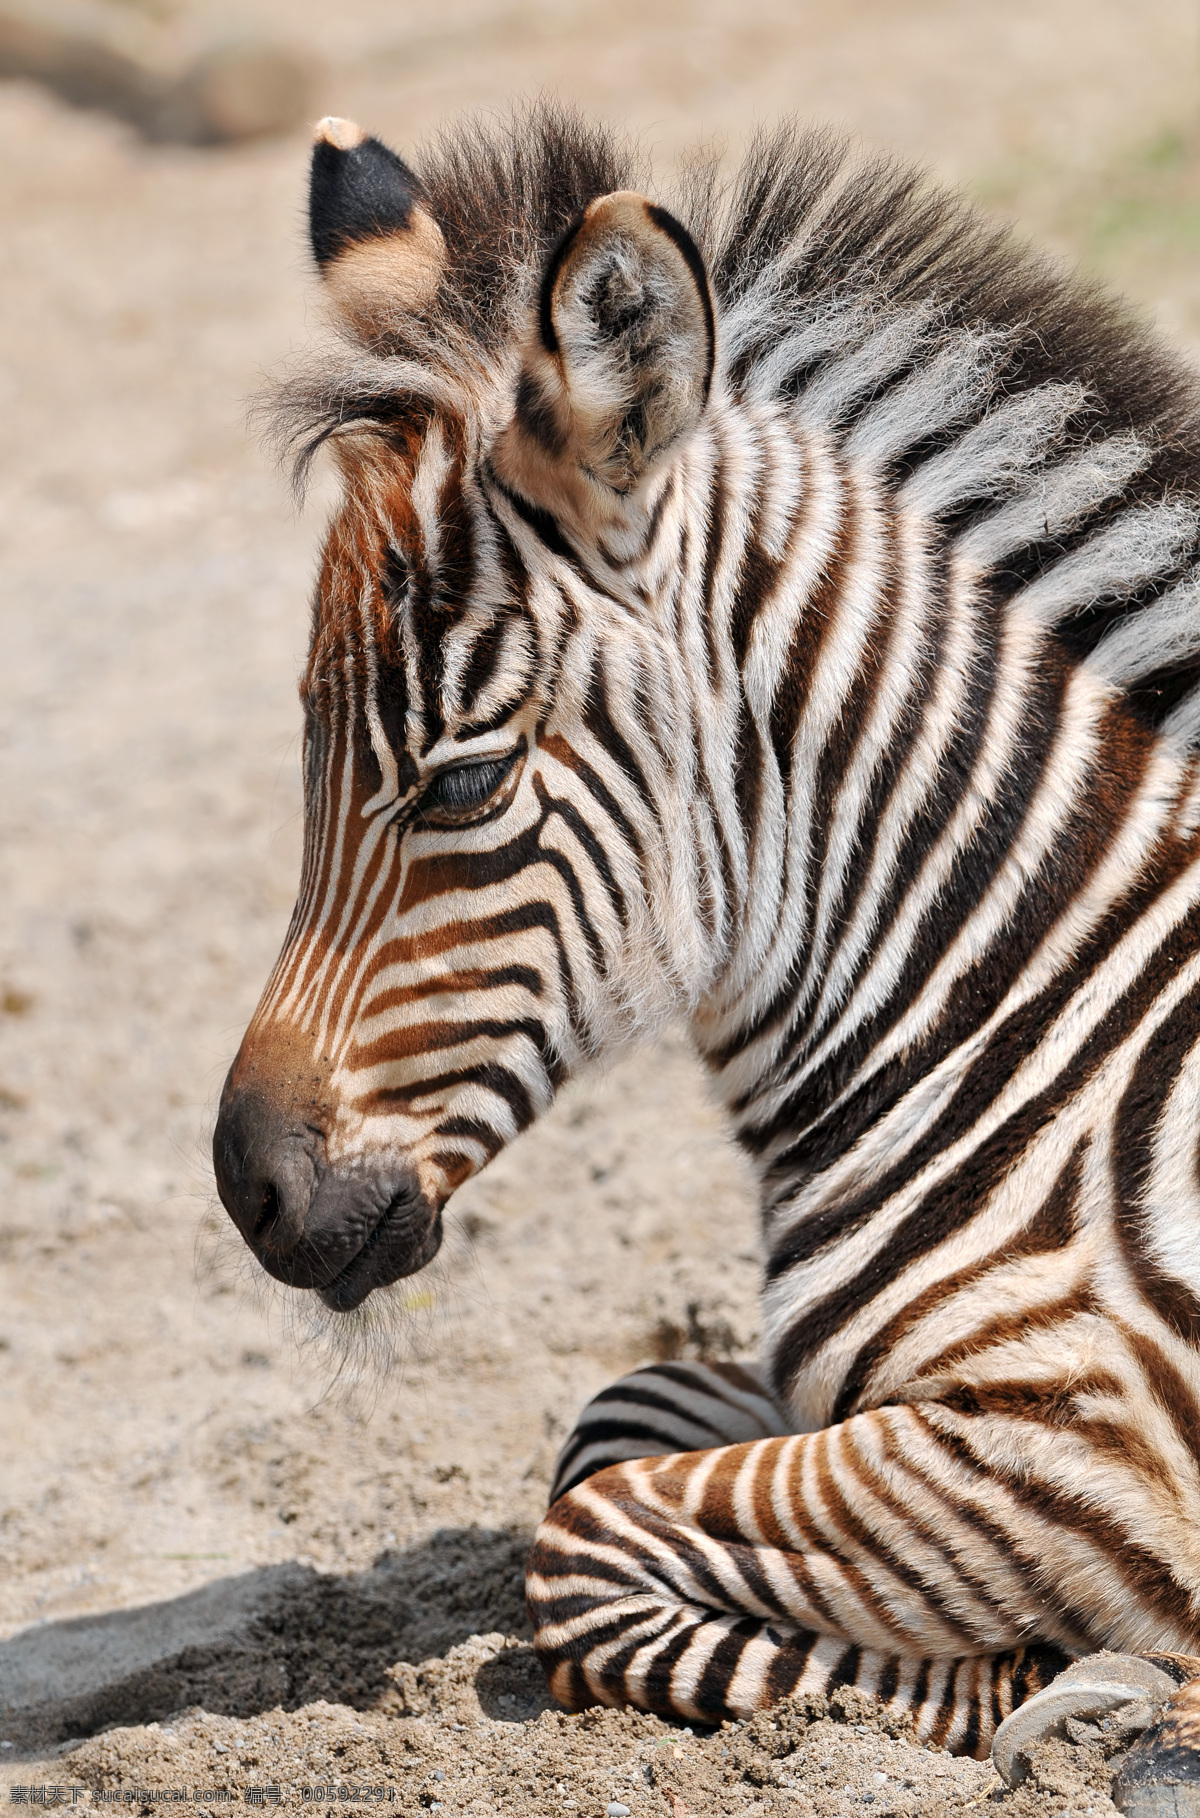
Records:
x=463, y=793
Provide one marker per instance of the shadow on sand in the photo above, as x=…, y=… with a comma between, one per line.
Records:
x=281, y=1635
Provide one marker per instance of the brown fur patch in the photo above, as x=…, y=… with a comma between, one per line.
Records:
x=373, y=282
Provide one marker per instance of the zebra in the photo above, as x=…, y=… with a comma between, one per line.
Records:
x=777, y=612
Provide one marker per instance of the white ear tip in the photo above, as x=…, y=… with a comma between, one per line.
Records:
x=344, y=135
x=620, y=208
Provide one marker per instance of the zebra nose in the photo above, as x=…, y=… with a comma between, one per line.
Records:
x=266, y=1166
x=340, y=1231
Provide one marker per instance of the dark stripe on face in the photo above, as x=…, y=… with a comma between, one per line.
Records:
x=446, y=872
x=571, y=818
x=543, y=524
x=441, y=580
x=525, y=918
x=599, y=722
x=413, y=1040
x=559, y=749
x=550, y=533
x=481, y=667
x=491, y=1076
x=471, y=980
x=471, y=1130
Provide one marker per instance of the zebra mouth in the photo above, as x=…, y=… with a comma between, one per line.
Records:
x=406, y=1236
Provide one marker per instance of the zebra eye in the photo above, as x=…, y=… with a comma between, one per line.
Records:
x=457, y=794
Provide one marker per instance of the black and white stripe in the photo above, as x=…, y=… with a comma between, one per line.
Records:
x=817, y=575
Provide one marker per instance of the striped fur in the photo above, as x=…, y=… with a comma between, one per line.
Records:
x=855, y=728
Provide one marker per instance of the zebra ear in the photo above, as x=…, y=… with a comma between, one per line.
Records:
x=378, y=248
x=621, y=360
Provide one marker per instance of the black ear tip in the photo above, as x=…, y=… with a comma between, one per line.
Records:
x=359, y=189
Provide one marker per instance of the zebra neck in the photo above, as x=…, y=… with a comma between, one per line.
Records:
x=945, y=822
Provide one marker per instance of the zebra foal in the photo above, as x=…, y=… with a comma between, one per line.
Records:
x=779, y=612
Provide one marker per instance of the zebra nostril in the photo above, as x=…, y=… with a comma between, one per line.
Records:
x=268, y=1162
x=268, y=1213
x=342, y=1231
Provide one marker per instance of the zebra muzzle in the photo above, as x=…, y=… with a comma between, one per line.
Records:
x=341, y=1230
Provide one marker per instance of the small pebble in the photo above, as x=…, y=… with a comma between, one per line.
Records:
x=617, y=1810
x=439, y=1773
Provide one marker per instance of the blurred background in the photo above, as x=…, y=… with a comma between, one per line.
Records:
x=162, y=1425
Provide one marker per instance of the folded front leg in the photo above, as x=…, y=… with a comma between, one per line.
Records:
x=909, y=1550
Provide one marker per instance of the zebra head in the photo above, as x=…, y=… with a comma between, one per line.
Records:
x=502, y=871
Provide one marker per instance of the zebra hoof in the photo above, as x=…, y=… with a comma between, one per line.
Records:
x=1159, y=1777
x=1091, y=1689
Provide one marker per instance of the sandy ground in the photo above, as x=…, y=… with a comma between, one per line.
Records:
x=206, y=1506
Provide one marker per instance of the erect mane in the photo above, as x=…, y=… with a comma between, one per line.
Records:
x=815, y=252
x=806, y=228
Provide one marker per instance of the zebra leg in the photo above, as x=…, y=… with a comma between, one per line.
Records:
x=668, y=1407
x=883, y=1553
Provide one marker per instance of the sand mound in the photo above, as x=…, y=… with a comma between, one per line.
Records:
x=474, y=1732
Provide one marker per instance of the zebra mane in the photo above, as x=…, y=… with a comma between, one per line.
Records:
x=1031, y=412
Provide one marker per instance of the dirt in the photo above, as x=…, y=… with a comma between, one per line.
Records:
x=224, y=1522
x=456, y=1742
